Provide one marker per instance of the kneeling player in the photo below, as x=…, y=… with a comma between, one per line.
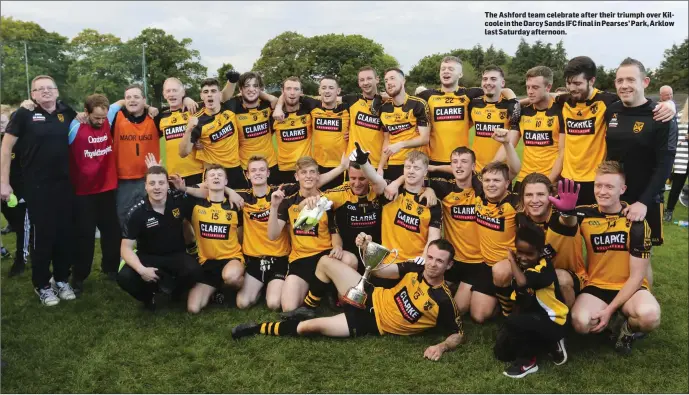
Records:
x=310, y=246
x=421, y=300
x=618, y=253
x=218, y=227
x=537, y=322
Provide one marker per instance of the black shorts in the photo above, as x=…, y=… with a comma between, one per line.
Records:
x=393, y=172
x=469, y=273
x=236, y=178
x=654, y=217
x=305, y=268
x=282, y=177
x=362, y=321
x=576, y=281
x=440, y=174
x=339, y=180
x=586, y=195
x=266, y=269
x=274, y=177
x=193, y=179
x=606, y=295
x=482, y=276
x=212, y=272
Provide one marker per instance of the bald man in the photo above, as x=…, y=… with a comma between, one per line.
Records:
x=665, y=93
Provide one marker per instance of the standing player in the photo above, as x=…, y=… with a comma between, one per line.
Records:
x=645, y=148
x=618, y=254
x=364, y=126
x=583, y=113
x=308, y=246
x=329, y=125
x=541, y=127
x=293, y=129
x=421, y=300
x=490, y=112
x=216, y=129
x=405, y=125
x=253, y=108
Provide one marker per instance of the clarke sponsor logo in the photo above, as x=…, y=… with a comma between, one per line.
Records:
x=328, y=124
x=407, y=221
x=226, y=131
x=486, y=129
x=367, y=121
x=583, y=127
x=363, y=221
x=406, y=307
x=464, y=212
x=214, y=231
x=497, y=224
x=293, y=135
x=174, y=132
x=455, y=113
x=613, y=241
x=261, y=216
x=399, y=128
x=538, y=139
x=253, y=131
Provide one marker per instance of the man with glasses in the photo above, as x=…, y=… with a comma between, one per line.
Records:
x=42, y=135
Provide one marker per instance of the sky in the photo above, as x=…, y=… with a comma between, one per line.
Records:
x=235, y=32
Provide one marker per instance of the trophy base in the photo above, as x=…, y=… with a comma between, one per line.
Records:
x=355, y=298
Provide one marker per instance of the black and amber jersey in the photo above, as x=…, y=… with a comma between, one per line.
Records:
x=459, y=218
x=541, y=294
x=645, y=148
x=413, y=306
x=215, y=225
x=540, y=131
x=329, y=127
x=355, y=214
x=497, y=227
x=218, y=135
x=406, y=223
x=563, y=245
x=293, y=135
x=255, y=214
x=306, y=243
x=486, y=117
x=585, y=130
x=450, y=122
x=253, y=128
x=402, y=123
x=610, y=240
x=364, y=127
x=172, y=125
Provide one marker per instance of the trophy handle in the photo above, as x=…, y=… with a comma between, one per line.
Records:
x=382, y=265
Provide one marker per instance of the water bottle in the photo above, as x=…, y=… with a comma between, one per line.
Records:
x=682, y=224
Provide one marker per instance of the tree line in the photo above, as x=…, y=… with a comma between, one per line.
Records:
x=103, y=63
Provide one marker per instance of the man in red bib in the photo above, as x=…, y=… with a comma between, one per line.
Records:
x=94, y=176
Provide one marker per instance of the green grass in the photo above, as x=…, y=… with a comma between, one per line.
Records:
x=104, y=342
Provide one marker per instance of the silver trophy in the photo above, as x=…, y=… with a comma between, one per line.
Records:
x=372, y=256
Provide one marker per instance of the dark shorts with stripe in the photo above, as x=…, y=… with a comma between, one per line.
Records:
x=469, y=273
x=266, y=269
x=606, y=295
x=576, y=281
x=482, y=277
x=236, y=178
x=305, y=268
x=212, y=272
x=362, y=321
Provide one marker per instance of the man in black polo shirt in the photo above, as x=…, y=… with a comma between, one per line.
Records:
x=644, y=147
x=42, y=135
x=155, y=225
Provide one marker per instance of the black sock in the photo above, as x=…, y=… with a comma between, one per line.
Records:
x=279, y=328
x=503, y=294
x=316, y=290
